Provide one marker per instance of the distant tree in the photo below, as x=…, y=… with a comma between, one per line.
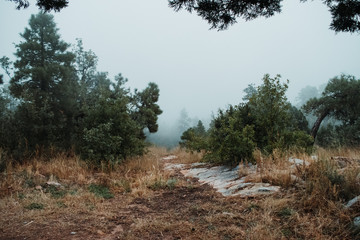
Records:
x=220, y=13
x=200, y=129
x=305, y=94
x=184, y=121
x=340, y=100
x=194, y=138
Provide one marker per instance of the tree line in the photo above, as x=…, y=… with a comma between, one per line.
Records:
x=268, y=122
x=57, y=100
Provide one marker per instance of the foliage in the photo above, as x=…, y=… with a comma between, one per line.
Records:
x=341, y=101
x=270, y=108
x=109, y=133
x=220, y=14
x=333, y=136
x=45, y=85
x=266, y=121
x=59, y=101
x=194, y=138
x=232, y=137
x=46, y=5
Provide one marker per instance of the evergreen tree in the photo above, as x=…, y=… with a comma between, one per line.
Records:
x=45, y=83
x=341, y=101
x=220, y=13
x=266, y=121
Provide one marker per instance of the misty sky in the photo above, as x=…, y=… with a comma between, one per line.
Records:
x=198, y=69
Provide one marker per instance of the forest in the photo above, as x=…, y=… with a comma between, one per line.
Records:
x=75, y=144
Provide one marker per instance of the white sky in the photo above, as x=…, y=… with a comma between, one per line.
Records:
x=198, y=69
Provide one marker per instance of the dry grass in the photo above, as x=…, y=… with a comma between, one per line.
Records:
x=149, y=203
x=185, y=157
x=316, y=194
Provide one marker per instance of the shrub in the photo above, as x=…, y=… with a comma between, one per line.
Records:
x=267, y=121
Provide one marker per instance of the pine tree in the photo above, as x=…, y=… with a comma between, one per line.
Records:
x=45, y=83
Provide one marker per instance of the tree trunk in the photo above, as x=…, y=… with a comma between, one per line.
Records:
x=317, y=123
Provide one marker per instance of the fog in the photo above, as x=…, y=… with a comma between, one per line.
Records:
x=198, y=69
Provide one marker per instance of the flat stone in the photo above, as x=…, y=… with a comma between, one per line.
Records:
x=226, y=181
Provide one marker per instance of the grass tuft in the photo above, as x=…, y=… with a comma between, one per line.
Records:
x=100, y=191
x=35, y=206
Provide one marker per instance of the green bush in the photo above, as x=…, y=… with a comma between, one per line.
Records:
x=267, y=121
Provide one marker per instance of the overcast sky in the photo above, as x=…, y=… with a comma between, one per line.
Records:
x=198, y=69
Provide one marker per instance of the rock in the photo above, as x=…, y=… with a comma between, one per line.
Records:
x=172, y=166
x=352, y=202
x=227, y=182
x=298, y=162
x=170, y=157
x=197, y=164
x=100, y=232
x=38, y=187
x=357, y=221
x=51, y=183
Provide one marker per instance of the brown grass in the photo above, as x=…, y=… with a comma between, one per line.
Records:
x=146, y=206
